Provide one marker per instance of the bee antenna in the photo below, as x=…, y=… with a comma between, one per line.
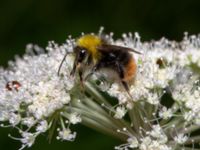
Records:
x=62, y=63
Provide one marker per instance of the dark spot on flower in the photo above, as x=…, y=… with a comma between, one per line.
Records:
x=161, y=63
x=13, y=85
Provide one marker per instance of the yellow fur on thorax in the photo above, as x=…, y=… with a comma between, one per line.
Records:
x=90, y=42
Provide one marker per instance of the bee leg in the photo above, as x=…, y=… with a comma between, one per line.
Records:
x=124, y=83
x=77, y=67
x=120, y=71
x=80, y=73
x=73, y=71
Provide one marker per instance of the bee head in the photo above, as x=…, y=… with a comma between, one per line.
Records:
x=85, y=52
x=90, y=43
x=80, y=54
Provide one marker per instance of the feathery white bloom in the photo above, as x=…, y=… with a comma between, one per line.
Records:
x=133, y=142
x=120, y=112
x=14, y=119
x=29, y=121
x=28, y=139
x=42, y=127
x=165, y=113
x=67, y=135
x=75, y=118
x=160, y=111
x=181, y=138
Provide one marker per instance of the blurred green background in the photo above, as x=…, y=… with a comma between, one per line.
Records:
x=38, y=21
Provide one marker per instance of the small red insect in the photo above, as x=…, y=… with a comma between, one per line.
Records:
x=13, y=85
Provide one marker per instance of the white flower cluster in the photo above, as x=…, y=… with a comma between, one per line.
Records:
x=155, y=139
x=160, y=111
x=164, y=68
x=31, y=92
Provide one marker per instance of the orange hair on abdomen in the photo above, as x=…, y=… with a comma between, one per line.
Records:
x=130, y=70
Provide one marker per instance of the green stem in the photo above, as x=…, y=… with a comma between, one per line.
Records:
x=149, y=108
x=96, y=94
x=96, y=126
x=99, y=98
x=191, y=129
x=97, y=108
x=97, y=117
x=185, y=148
x=194, y=139
x=169, y=130
x=136, y=117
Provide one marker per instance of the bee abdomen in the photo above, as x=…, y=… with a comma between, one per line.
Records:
x=130, y=70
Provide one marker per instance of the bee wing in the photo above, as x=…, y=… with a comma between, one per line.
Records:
x=109, y=48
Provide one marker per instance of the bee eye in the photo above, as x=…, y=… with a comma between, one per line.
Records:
x=82, y=53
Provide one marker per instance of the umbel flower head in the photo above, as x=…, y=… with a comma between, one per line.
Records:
x=161, y=111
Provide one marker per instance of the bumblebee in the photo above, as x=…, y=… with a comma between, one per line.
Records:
x=95, y=51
